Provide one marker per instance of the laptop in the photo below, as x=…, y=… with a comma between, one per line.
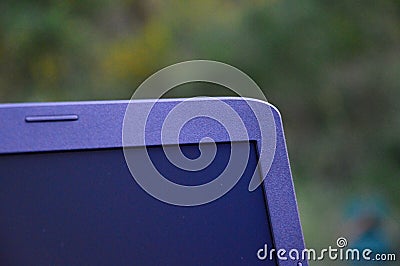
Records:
x=90, y=183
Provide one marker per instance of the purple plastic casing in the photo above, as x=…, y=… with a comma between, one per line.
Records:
x=36, y=127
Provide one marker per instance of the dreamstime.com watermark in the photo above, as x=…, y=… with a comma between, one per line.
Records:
x=339, y=253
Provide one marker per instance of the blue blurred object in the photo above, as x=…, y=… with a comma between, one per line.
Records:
x=365, y=217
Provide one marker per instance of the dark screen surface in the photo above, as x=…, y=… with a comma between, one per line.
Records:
x=84, y=208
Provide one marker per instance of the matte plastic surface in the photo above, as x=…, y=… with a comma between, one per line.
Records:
x=100, y=126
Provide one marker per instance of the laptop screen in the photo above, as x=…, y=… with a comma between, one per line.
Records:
x=84, y=207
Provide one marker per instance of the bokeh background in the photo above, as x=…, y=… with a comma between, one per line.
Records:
x=332, y=68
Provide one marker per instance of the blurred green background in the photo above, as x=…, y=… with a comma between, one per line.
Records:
x=332, y=68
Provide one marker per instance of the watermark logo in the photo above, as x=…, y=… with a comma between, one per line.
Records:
x=339, y=253
x=137, y=117
x=341, y=242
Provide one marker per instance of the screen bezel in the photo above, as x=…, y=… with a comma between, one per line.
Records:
x=99, y=125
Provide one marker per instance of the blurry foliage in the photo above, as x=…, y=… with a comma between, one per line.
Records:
x=332, y=67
